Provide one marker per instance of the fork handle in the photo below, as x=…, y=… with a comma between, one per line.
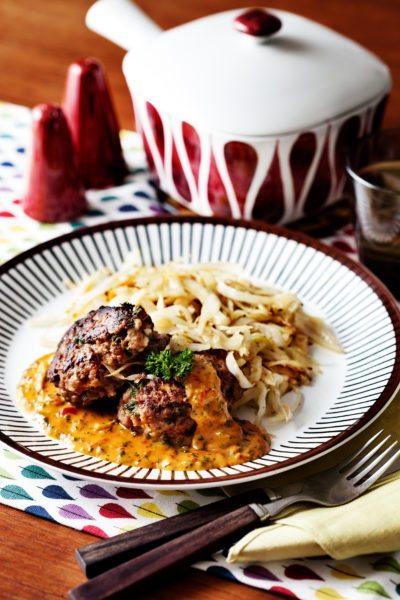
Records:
x=179, y=552
x=103, y=555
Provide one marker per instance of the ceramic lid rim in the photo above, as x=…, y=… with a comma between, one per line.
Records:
x=307, y=76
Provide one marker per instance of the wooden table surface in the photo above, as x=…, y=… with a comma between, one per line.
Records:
x=38, y=41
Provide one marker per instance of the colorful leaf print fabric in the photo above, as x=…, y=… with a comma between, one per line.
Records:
x=106, y=510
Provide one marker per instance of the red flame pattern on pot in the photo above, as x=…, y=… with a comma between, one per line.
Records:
x=275, y=179
x=269, y=204
x=217, y=195
x=178, y=175
x=157, y=128
x=192, y=143
x=241, y=162
x=301, y=157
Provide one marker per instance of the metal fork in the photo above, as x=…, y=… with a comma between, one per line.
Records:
x=349, y=479
x=330, y=488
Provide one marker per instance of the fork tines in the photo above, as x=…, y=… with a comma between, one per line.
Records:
x=373, y=463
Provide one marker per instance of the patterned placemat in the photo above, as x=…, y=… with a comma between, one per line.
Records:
x=106, y=510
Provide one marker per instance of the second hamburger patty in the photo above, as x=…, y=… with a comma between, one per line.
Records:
x=159, y=409
x=103, y=341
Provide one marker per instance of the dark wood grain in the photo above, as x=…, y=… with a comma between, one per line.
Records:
x=38, y=40
x=37, y=563
x=103, y=555
x=180, y=552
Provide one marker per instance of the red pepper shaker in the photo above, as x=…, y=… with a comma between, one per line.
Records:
x=53, y=190
x=94, y=126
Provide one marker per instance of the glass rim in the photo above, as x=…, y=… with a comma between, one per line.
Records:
x=349, y=168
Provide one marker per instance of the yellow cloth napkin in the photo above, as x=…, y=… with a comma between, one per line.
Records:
x=367, y=525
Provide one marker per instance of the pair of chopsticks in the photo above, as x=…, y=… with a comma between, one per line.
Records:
x=108, y=564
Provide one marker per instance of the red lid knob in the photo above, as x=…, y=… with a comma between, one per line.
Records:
x=258, y=22
x=53, y=190
x=94, y=126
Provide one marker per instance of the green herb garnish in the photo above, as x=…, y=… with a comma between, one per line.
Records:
x=167, y=365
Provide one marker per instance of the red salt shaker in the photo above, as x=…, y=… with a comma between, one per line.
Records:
x=94, y=126
x=53, y=191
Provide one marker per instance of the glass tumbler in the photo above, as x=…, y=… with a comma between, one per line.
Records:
x=375, y=171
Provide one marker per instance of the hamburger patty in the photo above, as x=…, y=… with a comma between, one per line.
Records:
x=103, y=341
x=158, y=409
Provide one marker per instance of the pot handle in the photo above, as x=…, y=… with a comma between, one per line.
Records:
x=121, y=22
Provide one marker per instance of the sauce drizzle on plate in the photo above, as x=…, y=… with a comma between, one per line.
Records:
x=219, y=440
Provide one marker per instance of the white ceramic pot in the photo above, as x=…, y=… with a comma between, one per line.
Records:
x=246, y=113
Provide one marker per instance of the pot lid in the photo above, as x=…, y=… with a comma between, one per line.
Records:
x=235, y=72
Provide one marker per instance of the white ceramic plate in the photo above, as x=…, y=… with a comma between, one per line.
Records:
x=352, y=390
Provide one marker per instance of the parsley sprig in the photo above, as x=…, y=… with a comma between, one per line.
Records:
x=167, y=365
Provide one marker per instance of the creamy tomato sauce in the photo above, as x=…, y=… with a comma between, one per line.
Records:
x=219, y=440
